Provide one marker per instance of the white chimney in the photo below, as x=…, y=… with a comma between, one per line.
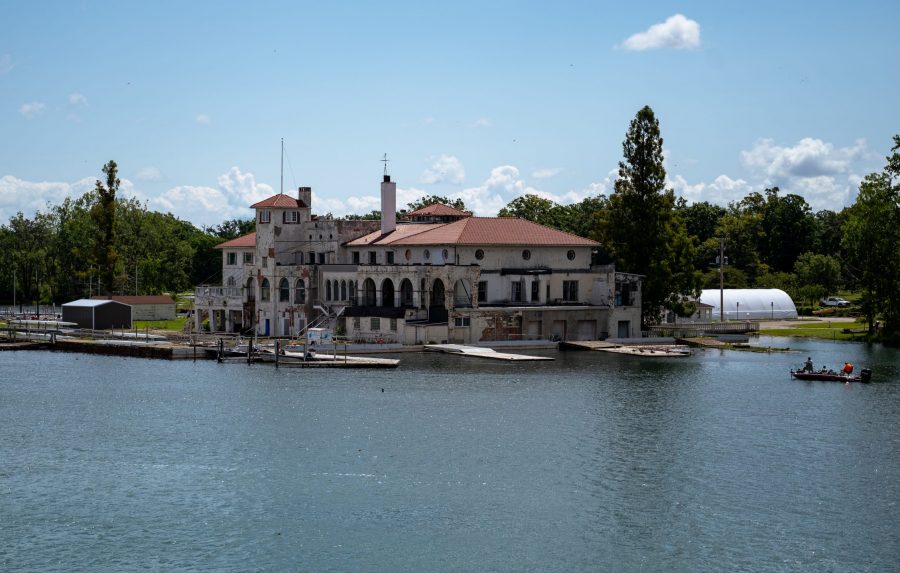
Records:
x=388, y=205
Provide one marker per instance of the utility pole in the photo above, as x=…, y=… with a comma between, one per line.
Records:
x=722, y=279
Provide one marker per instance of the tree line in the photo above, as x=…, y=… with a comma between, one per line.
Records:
x=101, y=243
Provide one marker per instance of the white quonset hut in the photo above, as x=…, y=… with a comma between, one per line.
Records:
x=750, y=303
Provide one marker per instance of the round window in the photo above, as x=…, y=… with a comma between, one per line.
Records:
x=427, y=254
x=479, y=254
x=526, y=254
x=408, y=254
x=570, y=255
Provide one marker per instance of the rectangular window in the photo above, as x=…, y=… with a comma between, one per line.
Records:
x=356, y=257
x=376, y=323
x=232, y=258
x=291, y=217
x=393, y=325
x=482, y=291
x=570, y=291
x=265, y=216
x=248, y=258
x=312, y=257
x=535, y=291
x=390, y=257
x=265, y=262
x=356, y=322
x=516, y=293
x=624, y=294
x=461, y=321
x=373, y=257
x=321, y=258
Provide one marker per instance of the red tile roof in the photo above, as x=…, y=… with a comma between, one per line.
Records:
x=248, y=240
x=439, y=210
x=475, y=231
x=280, y=201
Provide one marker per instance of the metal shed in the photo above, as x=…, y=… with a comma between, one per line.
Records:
x=97, y=314
x=750, y=303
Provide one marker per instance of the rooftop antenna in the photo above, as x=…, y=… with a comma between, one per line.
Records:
x=385, y=161
x=282, y=166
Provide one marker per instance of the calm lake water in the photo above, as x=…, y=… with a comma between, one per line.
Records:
x=592, y=462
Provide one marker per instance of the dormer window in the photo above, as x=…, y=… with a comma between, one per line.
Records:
x=265, y=216
x=291, y=217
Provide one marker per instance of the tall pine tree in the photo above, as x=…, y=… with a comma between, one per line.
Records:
x=104, y=215
x=641, y=228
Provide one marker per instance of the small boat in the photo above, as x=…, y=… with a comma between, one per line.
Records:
x=864, y=376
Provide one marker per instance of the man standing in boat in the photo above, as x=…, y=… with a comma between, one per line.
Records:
x=808, y=365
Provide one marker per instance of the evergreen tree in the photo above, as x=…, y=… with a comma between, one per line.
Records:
x=104, y=215
x=641, y=228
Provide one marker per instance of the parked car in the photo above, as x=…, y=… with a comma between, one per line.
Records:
x=835, y=301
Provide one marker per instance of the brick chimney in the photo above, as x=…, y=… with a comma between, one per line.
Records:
x=304, y=194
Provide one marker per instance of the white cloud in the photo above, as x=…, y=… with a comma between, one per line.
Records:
x=482, y=122
x=546, y=173
x=6, y=64
x=721, y=191
x=203, y=119
x=203, y=205
x=29, y=197
x=149, y=174
x=809, y=158
x=77, y=99
x=677, y=32
x=32, y=109
x=444, y=169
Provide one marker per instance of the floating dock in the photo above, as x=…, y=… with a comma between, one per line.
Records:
x=661, y=348
x=480, y=352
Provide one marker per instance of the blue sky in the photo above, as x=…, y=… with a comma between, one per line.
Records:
x=480, y=100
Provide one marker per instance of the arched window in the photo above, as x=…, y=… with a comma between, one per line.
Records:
x=264, y=290
x=387, y=293
x=299, y=292
x=251, y=290
x=369, y=293
x=343, y=290
x=437, y=293
x=406, y=293
x=284, y=291
x=327, y=290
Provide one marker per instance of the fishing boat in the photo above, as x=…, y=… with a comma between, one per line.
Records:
x=864, y=376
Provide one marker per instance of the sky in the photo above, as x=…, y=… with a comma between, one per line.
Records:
x=484, y=101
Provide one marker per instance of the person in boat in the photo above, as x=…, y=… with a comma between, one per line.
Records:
x=847, y=370
x=808, y=365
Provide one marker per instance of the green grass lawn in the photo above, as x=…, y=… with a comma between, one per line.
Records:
x=175, y=325
x=824, y=330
